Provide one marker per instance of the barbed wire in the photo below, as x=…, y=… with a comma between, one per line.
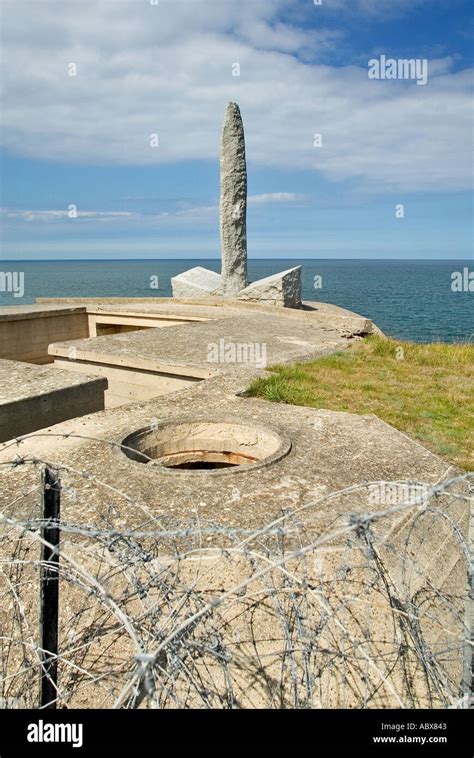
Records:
x=371, y=611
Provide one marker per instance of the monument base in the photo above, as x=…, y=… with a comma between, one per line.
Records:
x=196, y=282
x=283, y=289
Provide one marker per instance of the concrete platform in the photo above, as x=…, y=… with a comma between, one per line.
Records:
x=214, y=307
x=328, y=451
x=207, y=455
x=27, y=331
x=149, y=363
x=34, y=397
x=188, y=346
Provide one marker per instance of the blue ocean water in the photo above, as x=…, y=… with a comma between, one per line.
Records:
x=407, y=299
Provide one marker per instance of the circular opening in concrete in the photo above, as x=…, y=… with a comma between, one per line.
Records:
x=205, y=446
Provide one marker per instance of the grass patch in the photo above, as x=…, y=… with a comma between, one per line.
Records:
x=424, y=390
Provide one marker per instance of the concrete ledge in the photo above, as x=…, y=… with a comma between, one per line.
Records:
x=26, y=333
x=26, y=312
x=35, y=397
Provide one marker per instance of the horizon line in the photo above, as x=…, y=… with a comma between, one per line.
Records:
x=148, y=260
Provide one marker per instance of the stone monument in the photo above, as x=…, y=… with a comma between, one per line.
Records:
x=282, y=289
x=233, y=208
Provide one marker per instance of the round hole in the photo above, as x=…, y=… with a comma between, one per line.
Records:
x=205, y=446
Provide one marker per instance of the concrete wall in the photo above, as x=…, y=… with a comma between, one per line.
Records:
x=116, y=323
x=128, y=384
x=28, y=414
x=27, y=339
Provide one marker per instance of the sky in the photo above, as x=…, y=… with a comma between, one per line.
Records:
x=112, y=112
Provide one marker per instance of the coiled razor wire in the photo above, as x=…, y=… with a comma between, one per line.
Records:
x=271, y=617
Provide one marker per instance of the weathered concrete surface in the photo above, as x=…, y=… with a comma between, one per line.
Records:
x=139, y=367
x=196, y=282
x=198, y=349
x=203, y=309
x=34, y=397
x=26, y=332
x=128, y=383
x=153, y=362
x=233, y=203
x=50, y=306
x=282, y=289
x=322, y=452
x=330, y=452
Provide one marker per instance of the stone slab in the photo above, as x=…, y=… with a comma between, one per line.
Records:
x=196, y=282
x=282, y=289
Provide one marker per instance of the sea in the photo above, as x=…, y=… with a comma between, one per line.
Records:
x=410, y=300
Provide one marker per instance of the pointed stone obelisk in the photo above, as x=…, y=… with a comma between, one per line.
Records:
x=283, y=289
x=233, y=207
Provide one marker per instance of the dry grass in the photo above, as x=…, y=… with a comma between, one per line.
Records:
x=425, y=390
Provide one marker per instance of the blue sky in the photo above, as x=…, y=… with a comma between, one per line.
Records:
x=167, y=69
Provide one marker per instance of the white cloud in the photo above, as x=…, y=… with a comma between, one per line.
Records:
x=192, y=213
x=276, y=197
x=163, y=69
x=58, y=215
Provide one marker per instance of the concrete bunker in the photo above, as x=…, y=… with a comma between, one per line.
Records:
x=206, y=445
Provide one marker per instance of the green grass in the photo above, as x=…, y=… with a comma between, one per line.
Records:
x=425, y=390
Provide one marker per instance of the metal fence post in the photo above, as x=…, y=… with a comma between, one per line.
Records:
x=49, y=588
